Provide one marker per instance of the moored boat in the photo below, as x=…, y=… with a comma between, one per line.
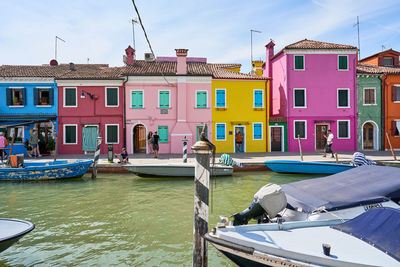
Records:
x=11, y=230
x=174, y=170
x=60, y=169
x=291, y=166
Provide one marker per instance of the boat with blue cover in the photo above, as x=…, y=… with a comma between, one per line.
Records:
x=59, y=169
x=371, y=239
x=292, y=166
x=11, y=230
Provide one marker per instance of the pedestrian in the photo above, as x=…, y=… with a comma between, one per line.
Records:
x=239, y=141
x=156, y=137
x=123, y=157
x=329, y=142
x=34, y=143
x=150, y=141
x=3, y=144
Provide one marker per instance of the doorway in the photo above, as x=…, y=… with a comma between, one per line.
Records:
x=368, y=136
x=320, y=131
x=276, y=138
x=240, y=139
x=89, y=137
x=139, y=139
x=45, y=133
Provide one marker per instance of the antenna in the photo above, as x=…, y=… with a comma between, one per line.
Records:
x=251, y=44
x=383, y=47
x=358, y=34
x=55, y=50
x=133, y=32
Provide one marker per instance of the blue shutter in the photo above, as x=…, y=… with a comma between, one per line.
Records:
x=23, y=96
x=258, y=100
x=35, y=96
x=221, y=98
x=257, y=131
x=51, y=96
x=220, y=132
x=9, y=97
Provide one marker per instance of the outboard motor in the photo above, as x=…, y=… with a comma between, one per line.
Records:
x=267, y=203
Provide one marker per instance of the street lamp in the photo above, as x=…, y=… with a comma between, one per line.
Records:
x=89, y=94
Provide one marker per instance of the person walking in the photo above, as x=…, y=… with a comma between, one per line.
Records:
x=329, y=142
x=3, y=144
x=34, y=143
x=239, y=141
x=150, y=141
x=156, y=137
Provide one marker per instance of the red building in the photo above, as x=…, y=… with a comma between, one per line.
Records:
x=90, y=102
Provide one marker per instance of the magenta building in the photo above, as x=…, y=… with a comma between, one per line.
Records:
x=314, y=89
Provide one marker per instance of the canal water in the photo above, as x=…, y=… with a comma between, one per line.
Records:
x=119, y=219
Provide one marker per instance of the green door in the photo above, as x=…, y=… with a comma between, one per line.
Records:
x=89, y=135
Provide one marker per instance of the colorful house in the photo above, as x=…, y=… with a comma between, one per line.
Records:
x=388, y=64
x=240, y=104
x=171, y=95
x=28, y=100
x=314, y=88
x=90, y=103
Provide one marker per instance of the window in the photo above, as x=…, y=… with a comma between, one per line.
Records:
x=70, y=99
x=112, y=97
x=19, y=138
x=201, y=99
x=257, y=131
x=396, y=127
x=396, y=93
x=300, y=129
x=112, y=134
x=221, y=131
x=16, y=96
x=343, y=63
x=343, y=98
x=163, y=99
x=258, y=97
x=369, y=96
x=43, y=96
x=344, y=129
x=299, y=62
x=220, y=98
x=199, y=130
x=70, y=134
x=299, y=98
x=137, y=99
x=387, y=61
x=163, y=133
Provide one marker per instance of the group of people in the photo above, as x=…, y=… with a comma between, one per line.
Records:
x=153, y=139
x=33, y=142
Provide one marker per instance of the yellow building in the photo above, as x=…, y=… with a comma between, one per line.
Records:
x=240, y=112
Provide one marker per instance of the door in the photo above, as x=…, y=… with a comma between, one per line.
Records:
x=276, y=138
x=89, y=135
x=139, y=139
x=320, y=131
x=368, y=136
x=240, y=139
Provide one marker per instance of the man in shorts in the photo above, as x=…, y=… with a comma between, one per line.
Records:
x=156, y=137
x=34, y=143
x=123, y=157
x=329, y=142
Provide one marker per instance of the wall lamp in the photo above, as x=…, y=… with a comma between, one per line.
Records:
x=89, y=94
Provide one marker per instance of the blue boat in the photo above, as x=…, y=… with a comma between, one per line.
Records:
x=291, y=166
x=60, y=169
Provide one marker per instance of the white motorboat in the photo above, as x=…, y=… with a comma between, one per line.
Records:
x=11, y=230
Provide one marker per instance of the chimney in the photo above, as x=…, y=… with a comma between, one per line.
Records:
x=53, y=62
x=181, y=55
x=130, y=56
x=72, y=66
x=269, y=55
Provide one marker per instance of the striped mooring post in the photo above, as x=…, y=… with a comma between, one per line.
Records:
x=184, y=140
x=201, y=197
x=96, y=157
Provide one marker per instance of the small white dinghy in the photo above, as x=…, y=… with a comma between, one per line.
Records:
x=371, y=239
x=11, y=230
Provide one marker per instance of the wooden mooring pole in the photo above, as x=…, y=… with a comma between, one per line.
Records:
x=390, y=145
x=201, y=199
x=301, y=152
x=96, y=157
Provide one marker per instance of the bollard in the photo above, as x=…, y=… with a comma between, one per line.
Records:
x=301, y=152
x=184, y=140
x=96, y=157
x=110, y=153
x=201, y=196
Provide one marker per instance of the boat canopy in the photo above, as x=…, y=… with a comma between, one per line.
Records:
x=359, y=186
x=379, y=227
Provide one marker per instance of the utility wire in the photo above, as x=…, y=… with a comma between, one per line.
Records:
x=148, y=41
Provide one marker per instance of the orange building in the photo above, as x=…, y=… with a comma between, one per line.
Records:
x=388, y=62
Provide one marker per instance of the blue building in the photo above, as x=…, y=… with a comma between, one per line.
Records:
x=28, y=100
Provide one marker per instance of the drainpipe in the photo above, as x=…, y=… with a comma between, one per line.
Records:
x=355, y=118
x=383, y=122
x=123, y=115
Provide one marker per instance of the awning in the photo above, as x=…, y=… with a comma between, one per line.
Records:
x=26, y=117
x=12, y=125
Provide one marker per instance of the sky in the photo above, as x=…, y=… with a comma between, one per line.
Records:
x=98, y=31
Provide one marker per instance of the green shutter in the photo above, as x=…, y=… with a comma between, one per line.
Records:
x=70, y=134
x=342, y=62
x=112, y=96
x=298, y=62
x=201, y=99
x=163, y=133
x=137, y=99
x=112, y=134
x=164, y=99
x=70, y=97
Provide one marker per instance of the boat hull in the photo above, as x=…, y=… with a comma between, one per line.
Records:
x=46, y=171
x=12, y=230
x=287, y=166
x=173, y=170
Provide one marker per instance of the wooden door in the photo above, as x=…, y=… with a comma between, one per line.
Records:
x=240, y=135
x=276, y=138
x=139, y=139
x=368, y=133
x=320, y=131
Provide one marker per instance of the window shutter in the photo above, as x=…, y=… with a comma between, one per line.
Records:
x=9, y=96
x=258, y=99
x=220, y=98
x=394, y=95
x=220, y=131
x=51, y=96
x=23, y=96
x=140, y=99
x=393, y=128
x=257, y=131
x=35, y=96
x=201, y=100
x=134, y=100
x=164, y=99
x=163, y=133
x=380, y=61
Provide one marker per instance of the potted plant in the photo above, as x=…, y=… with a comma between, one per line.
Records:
x=17, y=102
x=51, y=145
x=27, y=146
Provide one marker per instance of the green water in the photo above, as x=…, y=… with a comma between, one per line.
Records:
x=118, y=220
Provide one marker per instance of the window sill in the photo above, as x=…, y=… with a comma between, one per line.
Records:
x=343, y=70
x=136, y=108
x=116, y=106
x=16, y=106
x=398, y=101
x=164, y=108
x=258, y=109
x=344, y=138
x=343, y=107
x=221, y=108
x=68, y=144
x=70, y=106
x=300, y=107
x=202, y=108
x=370, y=104
x=43, y=106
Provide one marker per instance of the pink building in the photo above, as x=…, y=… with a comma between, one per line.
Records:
x=313, y=90
x=90, y=102
x=171, y=95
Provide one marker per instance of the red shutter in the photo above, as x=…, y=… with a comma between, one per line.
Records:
x=394, y=96
x=393, y=128
x=396, y=61
x=380, y=61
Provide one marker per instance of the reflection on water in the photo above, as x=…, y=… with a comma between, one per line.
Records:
x=118, y=220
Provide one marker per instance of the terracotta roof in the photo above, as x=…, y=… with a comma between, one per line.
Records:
x=311, y=44
x=372, y=69
x=91, y=71
x=227, y=65
x=222, y=73
x=168, y=68
x=389, y=51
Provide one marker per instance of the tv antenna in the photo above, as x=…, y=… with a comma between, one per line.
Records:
x=251, y=44
x=358, y=34
x=133, y=32
x=55, y=50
